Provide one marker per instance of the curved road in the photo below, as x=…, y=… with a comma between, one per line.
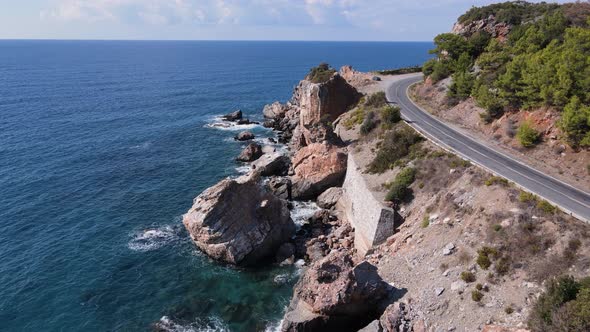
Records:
x=568, y=198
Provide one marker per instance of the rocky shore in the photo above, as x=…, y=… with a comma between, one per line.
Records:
x=246, y=221
x=369, y=265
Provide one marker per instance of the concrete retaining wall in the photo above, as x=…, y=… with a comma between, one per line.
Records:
x=373, y=222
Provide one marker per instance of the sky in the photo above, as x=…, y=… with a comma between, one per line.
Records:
x=326, y=20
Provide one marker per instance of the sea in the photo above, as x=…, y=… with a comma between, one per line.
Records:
x=103, y=147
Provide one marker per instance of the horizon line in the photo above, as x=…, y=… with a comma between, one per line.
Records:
x=217, y=40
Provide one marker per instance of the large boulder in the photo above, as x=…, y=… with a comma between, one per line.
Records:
x=272, y=163
x=334, y=294
x=239, y=222
x=329, y=198
x=233, y=116
x=252, y=152
x=317, y=167
x=244, y=136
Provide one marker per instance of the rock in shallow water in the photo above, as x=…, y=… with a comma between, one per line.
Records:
x=233, y=116
x=244, y=136
x=239, y=222
x=252, y=152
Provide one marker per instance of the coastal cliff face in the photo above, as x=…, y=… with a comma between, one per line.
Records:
x=490, y=25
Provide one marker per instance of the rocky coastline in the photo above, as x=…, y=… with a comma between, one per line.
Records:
x=246, y=221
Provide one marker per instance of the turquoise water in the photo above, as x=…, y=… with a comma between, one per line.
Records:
x=103, y=146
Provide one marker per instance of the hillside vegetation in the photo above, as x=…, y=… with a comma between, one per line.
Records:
x=543, y=61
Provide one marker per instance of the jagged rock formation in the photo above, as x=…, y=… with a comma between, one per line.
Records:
x=233, y=116
x=239, y=221
x=334, y=294
x=317, y=167
x=498, y=30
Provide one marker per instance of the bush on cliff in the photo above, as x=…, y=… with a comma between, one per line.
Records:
x=321, y=74
x=396, y=145
x=527, y=135
x=400, y=187
x=391, y=114
x=376, y=100
x=564, y=306
x=369, y=123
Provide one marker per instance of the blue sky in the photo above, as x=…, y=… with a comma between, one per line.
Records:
x=389, y=20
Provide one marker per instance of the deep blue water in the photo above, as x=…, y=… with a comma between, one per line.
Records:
x=103, y=146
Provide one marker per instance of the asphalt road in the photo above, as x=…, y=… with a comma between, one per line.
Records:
x=571, y=200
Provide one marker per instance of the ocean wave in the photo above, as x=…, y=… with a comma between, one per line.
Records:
x=153, y=238
x=218, y=123
x=274, y=326
x=213, y=324
x=142, y=146
x=302, y=211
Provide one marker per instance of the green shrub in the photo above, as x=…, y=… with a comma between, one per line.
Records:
x=546, y=207
x=425, y=221
x=368, y=124
x=564, y=306
x=496, y=180
x=399, y=71
x=321, y=74
x=485, y=256
x=400, y=190
x=527, y=135
x=396, y=145
x=355, y=118
x=376, y=100
x=476, y=295
x=502, y=266
x=468, y=276
x=526, y=197
x=391, y=114
x=509, y=310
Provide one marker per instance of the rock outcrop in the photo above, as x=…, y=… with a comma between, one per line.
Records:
x=244, y=136
x=490, y=25
x=239, y=221
x=335, y=294
x=317, y=167
x=252, y=152
x=275, y=110
x=272, y=163
x=233, y=116
x=329, y=198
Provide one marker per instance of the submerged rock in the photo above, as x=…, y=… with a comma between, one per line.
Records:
x=244, y=136
x=317, y=167
x=233, y=116
x=252, y=152
x=239, y=222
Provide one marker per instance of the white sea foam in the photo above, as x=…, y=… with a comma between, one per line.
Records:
x=274, y=326
x=243, y=169
x=302, y=211
x=218, y=123
x=213, y=325
x=153, y=238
